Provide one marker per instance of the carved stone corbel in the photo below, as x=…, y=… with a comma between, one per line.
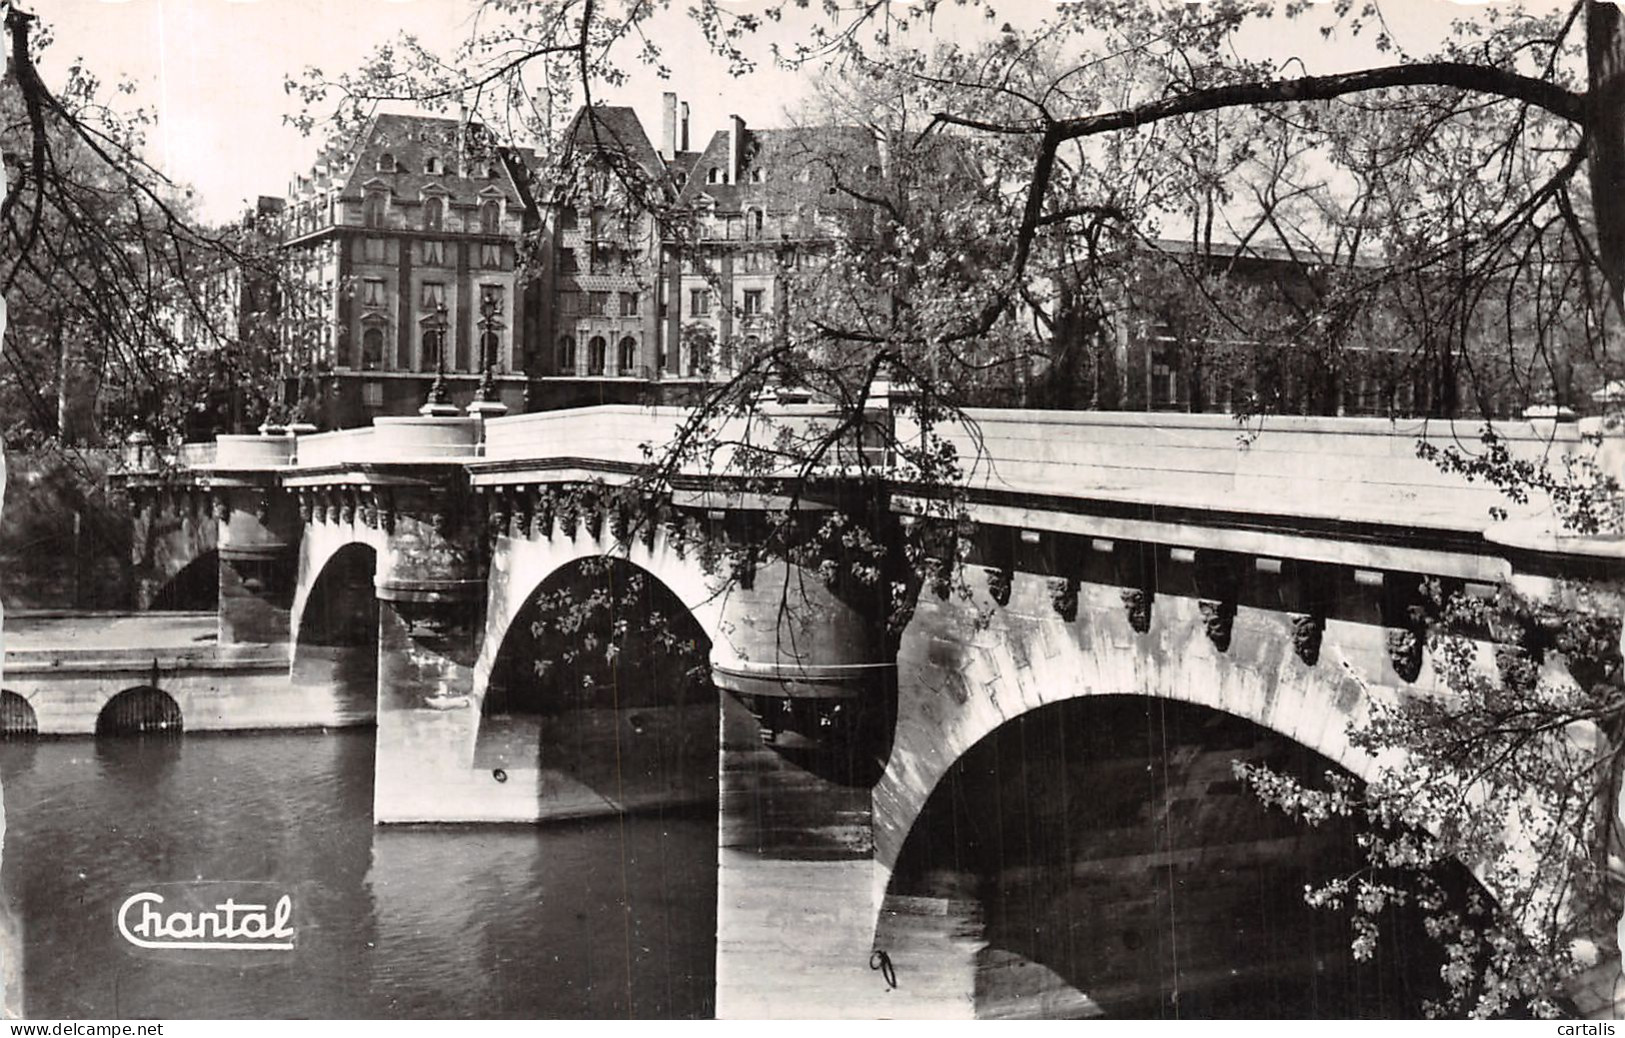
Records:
x=1063, y=595
x=998, y=584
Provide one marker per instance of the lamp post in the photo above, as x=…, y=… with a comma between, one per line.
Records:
x=438, y=403
x=487, y=403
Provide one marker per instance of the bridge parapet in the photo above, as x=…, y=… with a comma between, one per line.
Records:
x=767, y=444
x=1363, y=469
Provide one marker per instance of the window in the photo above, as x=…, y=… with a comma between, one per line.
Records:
x=434, y=296
x=433, y=213
x=372, y=394
x=598, y=303
x=603, y=258
x=753, y=262
x=754, y=223
x=490, y=216
x=595, y=355
x=372, y=209
x=629, y=304
x=568, y=218
x=626, y=357
x=758, y=175
x=753, y=302
x=434, y=253
x=490, y=172
x=567, y=355
x=433, y=340
x=570, y=302
x=713, y=176
x=699, y=302
x=680, y=179
x=491, y=299
x=372, y=293
x=491, y=256
x=567, y=261
x=386, y=163
x=431, y=166
x=373, y=250
x=372, y=349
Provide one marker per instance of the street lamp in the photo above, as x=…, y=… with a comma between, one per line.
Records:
x=487, y=403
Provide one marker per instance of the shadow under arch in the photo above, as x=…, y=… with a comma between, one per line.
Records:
x=195, y=588
x=1097, y=856
x=17, y=717
x=335, y=651
x=143, y=710
x=600, y=689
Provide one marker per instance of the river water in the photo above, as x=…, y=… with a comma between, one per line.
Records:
x=605, y=918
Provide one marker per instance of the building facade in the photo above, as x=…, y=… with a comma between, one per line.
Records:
x=402, y=259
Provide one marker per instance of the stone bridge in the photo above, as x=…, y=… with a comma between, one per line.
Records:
x=1022, y=795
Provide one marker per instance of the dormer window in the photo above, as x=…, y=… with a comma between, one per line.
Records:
x=758, y=175
x=372, y=209
x=431, y=166
x=490, y=216
x=433, y=214
x=679, y=178
x=386, y=163
x=713, y=175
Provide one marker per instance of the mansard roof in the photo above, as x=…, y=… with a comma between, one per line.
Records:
x=613, y=130
x=798, y=165
x=411, y=141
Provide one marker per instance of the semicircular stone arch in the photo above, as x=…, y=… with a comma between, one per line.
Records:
x=959, y=681
x=317, y=547
x=17, y=717
x=194, y=587
x=520, y=566
x=963, y=686
x=139, y=711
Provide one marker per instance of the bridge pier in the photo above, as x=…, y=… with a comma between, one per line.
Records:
x=807, y=663
x=430, y=586
x=258, y=540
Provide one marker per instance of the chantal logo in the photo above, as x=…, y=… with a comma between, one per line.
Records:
x=208, y=917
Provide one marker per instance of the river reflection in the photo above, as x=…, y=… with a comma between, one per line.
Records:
x=614, y=917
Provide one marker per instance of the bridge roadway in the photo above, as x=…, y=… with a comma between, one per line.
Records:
x=1266, y=573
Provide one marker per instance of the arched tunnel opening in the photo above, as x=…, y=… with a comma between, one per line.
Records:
x=337, y=648
x=1099, y=857
x=142, y=711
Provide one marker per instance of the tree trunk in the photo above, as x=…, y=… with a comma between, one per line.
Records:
x=1605, y=57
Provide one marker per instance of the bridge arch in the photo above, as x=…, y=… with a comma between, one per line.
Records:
x=194, y=587
x=597, y=732
x=17, y=718
x=967, y=692
x=319, y=544
x=335, y=633
x=139, y=711
x=520, y=566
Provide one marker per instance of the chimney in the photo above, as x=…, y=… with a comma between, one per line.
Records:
x=682, y=130
x=668, y=125
x=736, y=144
x=541, y=103
x=462, y=137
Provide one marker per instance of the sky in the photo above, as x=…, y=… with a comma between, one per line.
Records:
x=214, y=70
